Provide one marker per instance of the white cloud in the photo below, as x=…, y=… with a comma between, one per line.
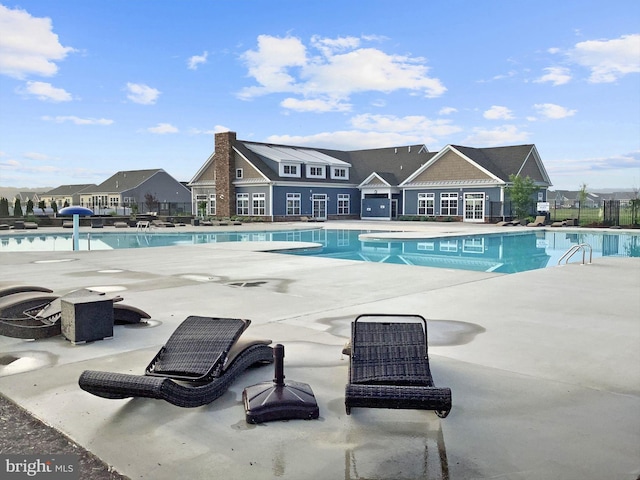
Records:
x=553, y=111
x=46, y=92
x=376, y=131
x=555, y=75
x=78, y=120
x=503, y=135
x=213, y=131
x=28, y=45
x=142, y=94
x=315, y=105
x=196, y=60
x=497, y=112
x=608, y=60
x=347, y=140
x=412, y=125
x=339, y=69
x=9, y=163
x=269, y=64
x=162, y=129
x=329, y=46
x=447, y=110
x=40, y=157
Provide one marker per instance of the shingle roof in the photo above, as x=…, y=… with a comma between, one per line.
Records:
x=70, y=189
x=501, y=161
x=125, y=180
x=394, y=164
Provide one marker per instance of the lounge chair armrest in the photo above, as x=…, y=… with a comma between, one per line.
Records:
x=392, y=396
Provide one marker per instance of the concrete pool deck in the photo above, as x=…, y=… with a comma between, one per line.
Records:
x=544, y=365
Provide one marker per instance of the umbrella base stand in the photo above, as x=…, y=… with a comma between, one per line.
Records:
x=278, y=400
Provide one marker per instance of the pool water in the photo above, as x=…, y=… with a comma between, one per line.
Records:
x=501, y=253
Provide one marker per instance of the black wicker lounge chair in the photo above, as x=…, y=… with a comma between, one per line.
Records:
x=196, y=365
x=389, y=366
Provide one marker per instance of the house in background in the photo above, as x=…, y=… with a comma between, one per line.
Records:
x=283, y=182
x=571, y=198
x=142, y=190
x=69, y=194
x=24, y=197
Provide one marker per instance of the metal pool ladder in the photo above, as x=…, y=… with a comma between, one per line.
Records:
x=574, y=249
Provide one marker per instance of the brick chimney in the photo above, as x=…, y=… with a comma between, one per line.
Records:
x=225, y=173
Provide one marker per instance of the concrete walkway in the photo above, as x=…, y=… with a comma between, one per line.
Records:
x=544, y=365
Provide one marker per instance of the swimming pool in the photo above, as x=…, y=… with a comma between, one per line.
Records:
x=502, y=253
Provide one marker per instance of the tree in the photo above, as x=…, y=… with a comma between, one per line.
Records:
x=202, y=208
x=634, y=204
x=17, y=208
x=582, y=194
x=150, y=201
x=520, y=192
x=42, y=205
x=29, y=207
x=4, y=207
x=54, y=206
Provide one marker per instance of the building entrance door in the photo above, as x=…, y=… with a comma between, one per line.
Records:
x=319, y=202
x=474, y=207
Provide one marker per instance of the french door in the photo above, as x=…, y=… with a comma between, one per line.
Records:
x=474, y=207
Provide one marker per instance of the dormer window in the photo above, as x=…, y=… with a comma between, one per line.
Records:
x=339, y=173
x=289, y=170
x=315, y=172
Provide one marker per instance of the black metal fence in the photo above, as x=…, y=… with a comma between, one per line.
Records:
x=158, y=208
x=611, y=213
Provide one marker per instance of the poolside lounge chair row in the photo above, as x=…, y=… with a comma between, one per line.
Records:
x=389, y=367
x=540, y=221
x=570, y=222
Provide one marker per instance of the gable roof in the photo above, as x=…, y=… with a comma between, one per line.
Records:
x=496, y=163
x=70, y=189
x=125, y=180
x=393, y=164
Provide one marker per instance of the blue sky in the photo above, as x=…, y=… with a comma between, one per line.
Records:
x=88, y=88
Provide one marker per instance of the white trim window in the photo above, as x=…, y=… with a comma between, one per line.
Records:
x=344, y=204
x=426, y=204
x=290, y=170
x=314, y=171
x=259, y=202
x=339, y=173
x=242, y=204
x=212, y=204
x=239, y=173
x=449, y=204
x=293, y=204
